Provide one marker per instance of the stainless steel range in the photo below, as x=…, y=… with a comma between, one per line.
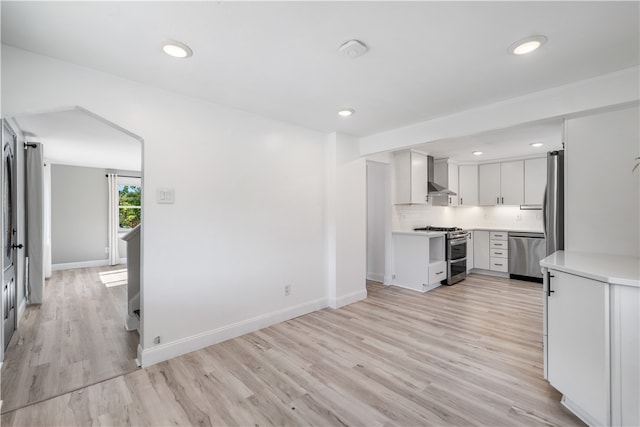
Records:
x=456, y=252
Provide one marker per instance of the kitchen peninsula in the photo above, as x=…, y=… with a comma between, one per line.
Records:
x=419, y=259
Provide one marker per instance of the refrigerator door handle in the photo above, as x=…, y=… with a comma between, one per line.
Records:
x=544, y=212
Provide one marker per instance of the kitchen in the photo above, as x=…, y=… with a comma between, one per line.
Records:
x=586, y=275
x=479, y=199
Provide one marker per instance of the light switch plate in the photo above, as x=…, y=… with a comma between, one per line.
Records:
x=166, y=196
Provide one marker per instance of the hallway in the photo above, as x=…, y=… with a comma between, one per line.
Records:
x=76, y=338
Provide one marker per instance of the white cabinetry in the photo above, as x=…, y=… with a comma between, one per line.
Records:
x=445, y=173
x=489, y=184
x=419, y=260
x=535, y=180
x=410, y=176
x=481, y=253
x=499, y=251
x=512, y=183
x=501, y=183
x=470, y=251
x=591, y=335
x=468, y=185
x=577, y=336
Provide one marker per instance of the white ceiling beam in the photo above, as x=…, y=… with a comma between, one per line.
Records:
x=606, y=91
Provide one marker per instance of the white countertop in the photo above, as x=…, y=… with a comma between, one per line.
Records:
x=519, y=230
x=421, y=233
x=617, y=270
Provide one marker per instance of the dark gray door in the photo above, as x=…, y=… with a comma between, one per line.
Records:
x=9, y=231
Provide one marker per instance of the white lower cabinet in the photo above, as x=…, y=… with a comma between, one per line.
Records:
x=481, y=254
x=592, y=347
x=577, y=343
x=419, y=261
x=470, y=251
x=437, y=272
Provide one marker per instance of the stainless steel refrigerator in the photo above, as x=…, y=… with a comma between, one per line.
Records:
x=553, y=203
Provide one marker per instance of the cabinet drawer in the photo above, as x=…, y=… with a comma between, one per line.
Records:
x=499, y=235
x=499, y=253
x=437, y=272
x=499, y=264
x=499, y=244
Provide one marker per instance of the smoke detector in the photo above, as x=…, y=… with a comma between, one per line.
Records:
x=353, y=49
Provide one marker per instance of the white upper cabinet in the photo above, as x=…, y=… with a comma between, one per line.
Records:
x=512, y=183
x=501, y=183
x=468, y=185
x=535, y=180
x=445, y=173
x=489, y=184
x=410, y=173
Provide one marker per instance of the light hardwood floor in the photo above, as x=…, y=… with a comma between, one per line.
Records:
x=469, y=354
x=74, y=339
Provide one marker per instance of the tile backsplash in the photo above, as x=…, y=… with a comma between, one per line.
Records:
x=407, y=217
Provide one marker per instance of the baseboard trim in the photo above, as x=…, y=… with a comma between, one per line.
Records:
x=490, y=273
x=375, y=277
x=83, y=264
x=348, y=299
x=162, y=352
x=580, y=413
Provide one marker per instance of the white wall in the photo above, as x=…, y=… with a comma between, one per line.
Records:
x=346, y=221
x=79, y=214
x=602, y=194
x=248, y=216
x=378, y=201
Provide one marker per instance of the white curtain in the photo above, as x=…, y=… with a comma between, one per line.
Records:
x=114, y=222
x=47, y=221
x=35, y=222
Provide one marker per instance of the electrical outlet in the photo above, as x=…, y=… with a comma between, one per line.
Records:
x=156, y=340
x=287, y=290
x=106, y=249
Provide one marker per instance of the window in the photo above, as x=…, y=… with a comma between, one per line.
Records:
x=129, y=211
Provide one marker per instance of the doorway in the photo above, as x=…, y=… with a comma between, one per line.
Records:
x=79, y=334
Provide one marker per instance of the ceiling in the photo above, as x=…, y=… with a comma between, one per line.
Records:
x=281, y=60
x=499, y=145
x=77, y=137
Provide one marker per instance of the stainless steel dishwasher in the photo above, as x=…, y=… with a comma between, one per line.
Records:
x=525, y=252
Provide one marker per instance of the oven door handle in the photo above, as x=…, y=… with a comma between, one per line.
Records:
x=458, y=241
x=456, y=261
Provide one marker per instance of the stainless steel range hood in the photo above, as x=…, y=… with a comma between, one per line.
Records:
x=433, y=188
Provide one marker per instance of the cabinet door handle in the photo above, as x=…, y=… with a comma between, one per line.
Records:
x=549, y=291
x=460, y=200
x=439, y=272
x=497, y=200
x=449, y=200
x=498, y=244
x=498, y=264
x=503, y=200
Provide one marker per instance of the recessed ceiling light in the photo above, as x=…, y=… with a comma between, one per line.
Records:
x=477, y=153
x=527, y=45
x=536, y=144
x=346, y=112
x=177, y=50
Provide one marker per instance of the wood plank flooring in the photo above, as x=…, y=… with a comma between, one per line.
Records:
x=74, y=339
x=469, y=354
